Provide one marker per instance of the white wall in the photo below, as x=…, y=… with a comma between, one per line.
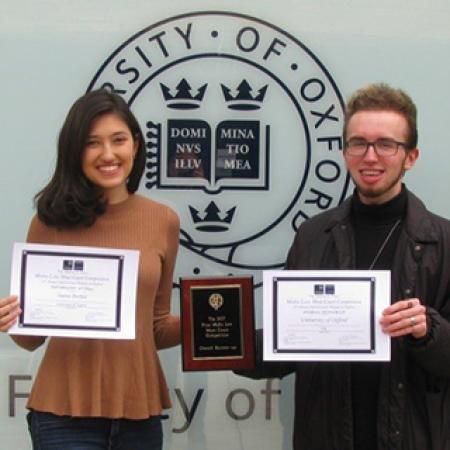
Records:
x=50, y=51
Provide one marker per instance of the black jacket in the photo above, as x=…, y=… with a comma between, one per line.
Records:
x=414, y=394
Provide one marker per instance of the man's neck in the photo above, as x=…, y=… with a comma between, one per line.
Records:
x=378, y=214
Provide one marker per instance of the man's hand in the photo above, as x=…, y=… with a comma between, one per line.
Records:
x=405, y=317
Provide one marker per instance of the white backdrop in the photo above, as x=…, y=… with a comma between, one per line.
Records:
x=49, y=53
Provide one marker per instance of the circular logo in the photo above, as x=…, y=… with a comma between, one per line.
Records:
x=243, y=129
x=215, y=301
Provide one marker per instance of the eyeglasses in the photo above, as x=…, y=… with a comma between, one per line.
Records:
x=382, y=147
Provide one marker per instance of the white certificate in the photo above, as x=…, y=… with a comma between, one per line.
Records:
x=325, y=315
x=70, y=291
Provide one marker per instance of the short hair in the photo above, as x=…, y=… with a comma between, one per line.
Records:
x=381, y=96
x=70, y=199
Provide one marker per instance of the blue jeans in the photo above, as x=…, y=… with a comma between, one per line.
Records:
x=51, y=432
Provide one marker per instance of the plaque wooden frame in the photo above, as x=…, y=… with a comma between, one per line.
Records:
x=217, y=321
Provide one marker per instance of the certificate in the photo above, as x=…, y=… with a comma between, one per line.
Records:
x=325, y=315
x=70, y=291
x=218, y=323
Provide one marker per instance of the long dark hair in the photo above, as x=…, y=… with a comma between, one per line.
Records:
x=70, y=199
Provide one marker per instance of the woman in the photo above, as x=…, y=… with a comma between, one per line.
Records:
x=93, y=393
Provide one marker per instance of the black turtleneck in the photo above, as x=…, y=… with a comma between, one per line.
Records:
x=372, y=225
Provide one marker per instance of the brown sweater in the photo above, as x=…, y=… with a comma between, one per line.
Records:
x=114, y=378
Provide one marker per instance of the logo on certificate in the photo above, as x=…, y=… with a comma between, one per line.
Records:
x=70, y=264
x=327, y=289
x=243, y=134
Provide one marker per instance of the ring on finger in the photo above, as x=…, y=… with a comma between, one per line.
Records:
x=413, y=320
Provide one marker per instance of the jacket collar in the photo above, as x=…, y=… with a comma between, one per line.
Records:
x=417, y=223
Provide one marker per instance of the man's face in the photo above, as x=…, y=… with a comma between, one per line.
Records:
x=378, y=178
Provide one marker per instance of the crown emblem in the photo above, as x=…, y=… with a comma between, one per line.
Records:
x=183, y=98
x=211, y=219
x=244, y=100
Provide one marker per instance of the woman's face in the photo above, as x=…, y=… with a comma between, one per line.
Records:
x=108, y=156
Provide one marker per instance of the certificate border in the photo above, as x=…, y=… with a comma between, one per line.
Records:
x=80, y=255
x=369, y=279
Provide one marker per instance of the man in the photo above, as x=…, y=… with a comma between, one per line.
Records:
x=403, y=404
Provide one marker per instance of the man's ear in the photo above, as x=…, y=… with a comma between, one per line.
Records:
x=411, y=158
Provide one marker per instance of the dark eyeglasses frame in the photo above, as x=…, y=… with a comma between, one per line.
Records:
x=375, y=145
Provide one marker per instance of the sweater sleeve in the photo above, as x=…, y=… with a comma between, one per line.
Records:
x=37, y=233
x=166, y=327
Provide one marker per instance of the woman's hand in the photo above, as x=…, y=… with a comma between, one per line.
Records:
x=9, y=312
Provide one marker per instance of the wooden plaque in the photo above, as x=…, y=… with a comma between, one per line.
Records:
x=217, y=317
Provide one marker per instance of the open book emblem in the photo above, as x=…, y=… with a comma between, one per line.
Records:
x=211, y=156
x=192, y=153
